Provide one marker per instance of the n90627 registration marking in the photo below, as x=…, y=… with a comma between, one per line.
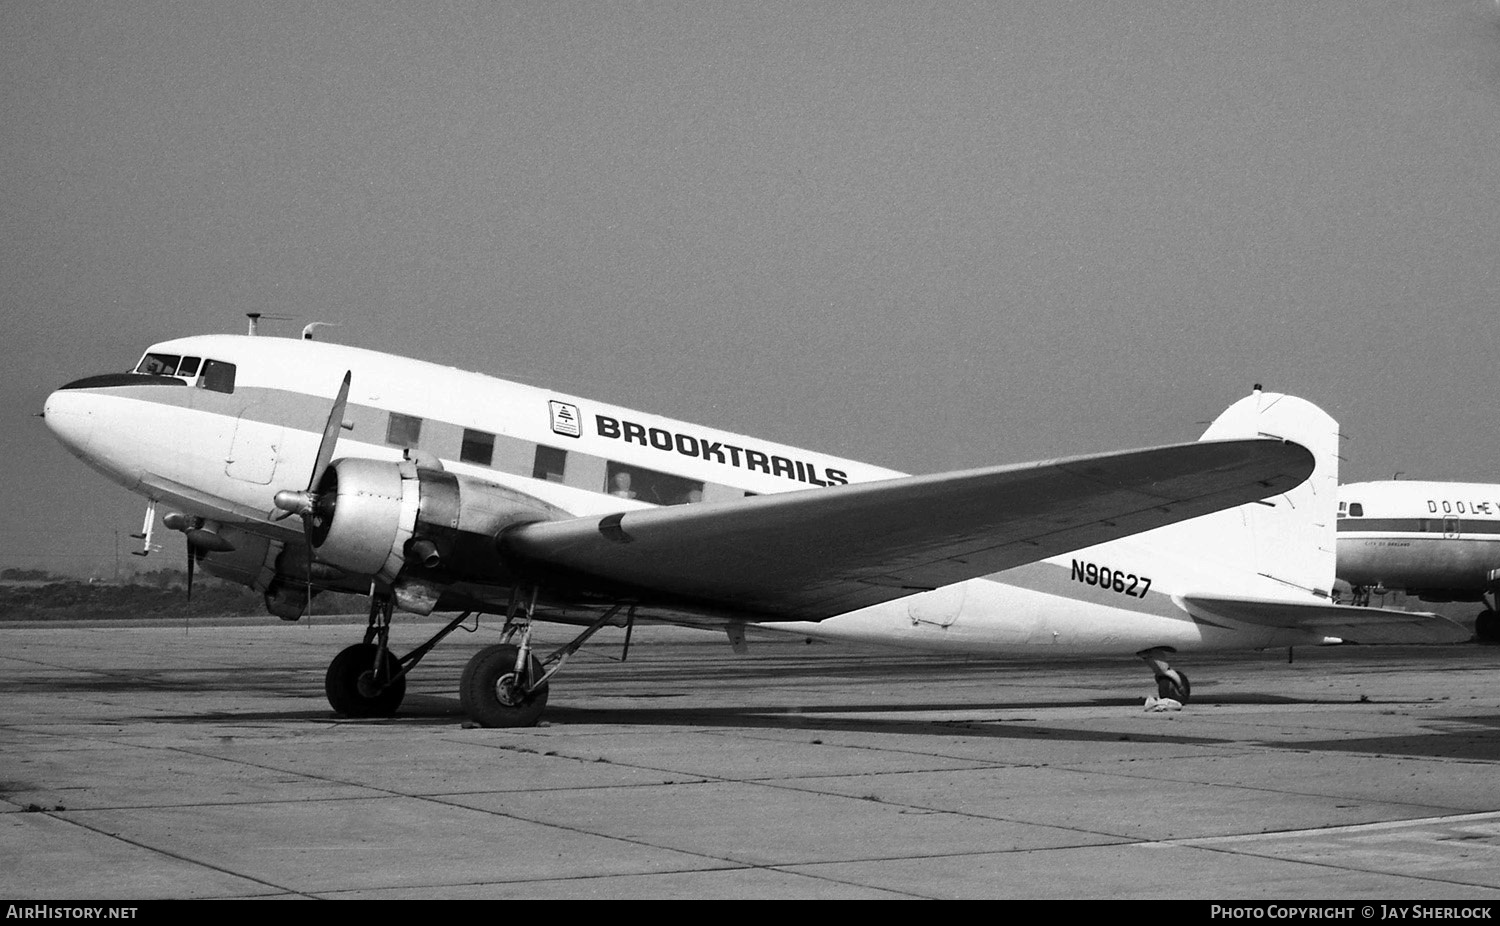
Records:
x=1115, y=580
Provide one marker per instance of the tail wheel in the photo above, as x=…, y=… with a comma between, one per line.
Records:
x=1174, y=685
x=353, y=689
x=492, y=694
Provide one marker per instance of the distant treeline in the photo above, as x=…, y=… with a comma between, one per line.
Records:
x=47, y=597
x=156, y=578
x=26, y=575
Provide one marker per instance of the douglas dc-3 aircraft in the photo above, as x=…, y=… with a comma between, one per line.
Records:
x=1439, y=541
x=295, y=466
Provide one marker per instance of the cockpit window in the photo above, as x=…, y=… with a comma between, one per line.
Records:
x=218, y=376
x=185, y=368
x=159, y=364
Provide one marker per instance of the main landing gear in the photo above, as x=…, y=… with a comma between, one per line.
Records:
x=504, y=685
x=1170, y=683
x=367, y=679
x=1487, y=624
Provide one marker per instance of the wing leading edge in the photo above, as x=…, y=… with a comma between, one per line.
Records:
x=812, y=554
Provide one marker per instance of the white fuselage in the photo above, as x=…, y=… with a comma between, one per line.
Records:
x=222, y=455
x=1438, y=539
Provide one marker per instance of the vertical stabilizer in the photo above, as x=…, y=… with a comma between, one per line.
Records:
x=1288, y=538
x=1281, y=547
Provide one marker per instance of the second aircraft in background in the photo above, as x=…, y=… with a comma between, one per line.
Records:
x=1438, y=541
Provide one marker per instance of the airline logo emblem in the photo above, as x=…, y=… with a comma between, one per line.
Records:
x=565, y=419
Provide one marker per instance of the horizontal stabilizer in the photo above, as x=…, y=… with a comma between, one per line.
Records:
x=1348, y=623
x=812, y=554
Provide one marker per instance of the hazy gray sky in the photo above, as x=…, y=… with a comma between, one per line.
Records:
x=928, y=235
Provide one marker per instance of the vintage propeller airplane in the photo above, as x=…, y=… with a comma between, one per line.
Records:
x=1438, y=541
x=295, y=466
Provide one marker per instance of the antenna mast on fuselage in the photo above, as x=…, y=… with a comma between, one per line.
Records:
x=255, y=318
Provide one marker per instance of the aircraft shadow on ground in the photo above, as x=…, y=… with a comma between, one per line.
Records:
x=1473, y=741
x=717, y=718
x=250, y=680
x=1469, y=738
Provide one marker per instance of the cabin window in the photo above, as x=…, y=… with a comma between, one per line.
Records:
x=648, y=485
x=1356, y=510
x=478, y=447
x=218, y=376
x=550, y=463
x=403, y=430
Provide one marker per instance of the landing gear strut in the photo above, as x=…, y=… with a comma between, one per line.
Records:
x=505, y=685
x=1169, y=682
x=367, y=679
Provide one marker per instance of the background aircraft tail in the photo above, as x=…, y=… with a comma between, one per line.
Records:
x=1283, y=546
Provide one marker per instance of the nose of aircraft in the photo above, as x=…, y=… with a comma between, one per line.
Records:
x=69, y=415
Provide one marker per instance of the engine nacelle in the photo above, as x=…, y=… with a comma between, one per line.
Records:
x=374, y=517
x=247, y=559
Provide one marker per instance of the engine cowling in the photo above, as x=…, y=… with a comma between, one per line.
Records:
x=379, y=518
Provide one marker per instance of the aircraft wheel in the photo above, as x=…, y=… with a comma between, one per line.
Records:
x=1487, y=626
x=350, y=683
x=490, y=694
x=1178, y=688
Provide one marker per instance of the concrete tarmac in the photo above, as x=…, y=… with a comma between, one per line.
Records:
x=144, y=761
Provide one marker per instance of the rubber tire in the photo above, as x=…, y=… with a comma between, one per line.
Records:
x=342, y=683
x=1168, y=687
x=1487, y=626
x=480, y=699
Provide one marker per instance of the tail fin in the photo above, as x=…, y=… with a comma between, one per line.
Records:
x=1283, y=546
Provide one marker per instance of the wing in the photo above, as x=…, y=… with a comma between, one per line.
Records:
x=813, y=554
x=1351, y=624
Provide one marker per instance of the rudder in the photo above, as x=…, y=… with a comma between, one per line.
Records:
x=1291, y=535
x=1280, y=547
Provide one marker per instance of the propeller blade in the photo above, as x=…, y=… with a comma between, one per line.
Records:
x=330, y=434
x=307, y=531
x=288, y=502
